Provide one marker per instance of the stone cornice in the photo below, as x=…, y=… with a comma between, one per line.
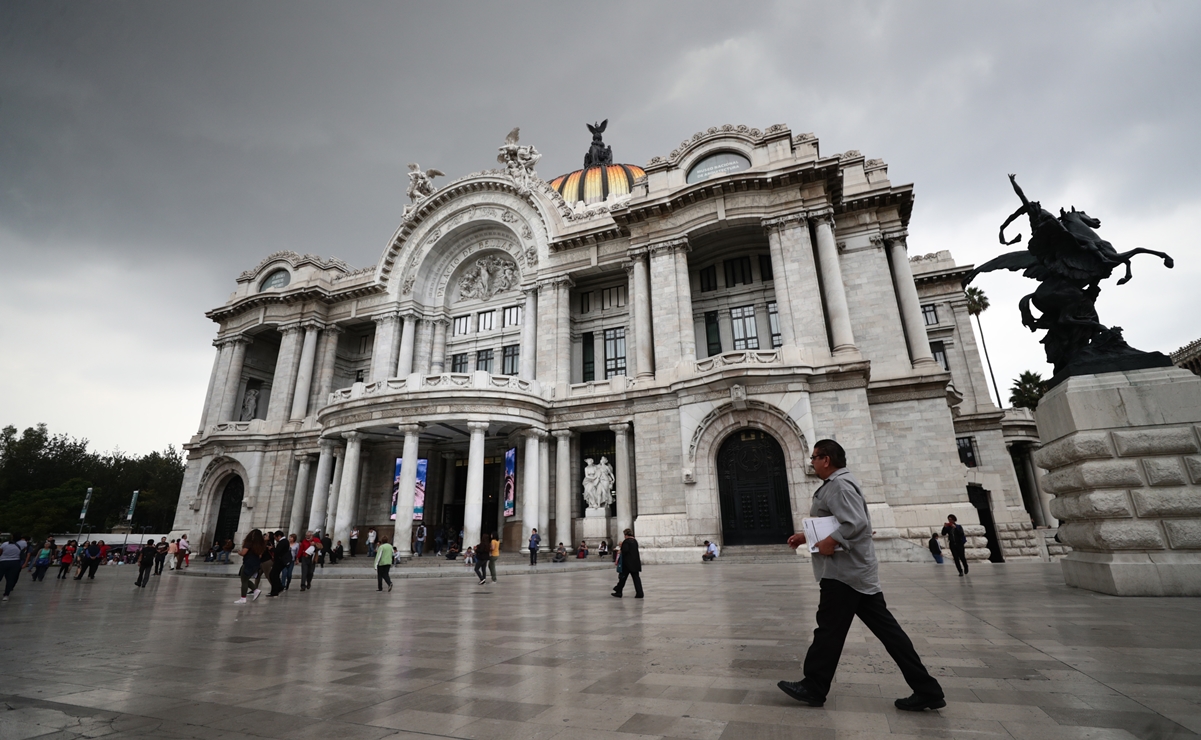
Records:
x=294, y=260
x=752, y=136
x=895, y=236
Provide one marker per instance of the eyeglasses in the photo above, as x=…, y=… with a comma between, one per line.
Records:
x=814, y=457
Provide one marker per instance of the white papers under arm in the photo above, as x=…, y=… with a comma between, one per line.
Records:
x=818, y=529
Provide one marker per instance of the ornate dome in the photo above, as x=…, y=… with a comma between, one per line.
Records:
x=595, y=184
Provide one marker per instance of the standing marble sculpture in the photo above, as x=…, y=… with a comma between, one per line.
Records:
x=604, y=482
x=250, y=404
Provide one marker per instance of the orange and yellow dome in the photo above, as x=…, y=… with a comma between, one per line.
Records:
x=596, y=184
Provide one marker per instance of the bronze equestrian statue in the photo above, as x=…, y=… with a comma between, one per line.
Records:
x=1070, y=260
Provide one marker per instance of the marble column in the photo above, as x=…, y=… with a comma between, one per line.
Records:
x=544, y=485
x=530, y=488
x=381, y=348
x=438, y=353
x=348, y=489
x=300, y=495
x=408, y=340
x=779, y=268
x=529, y=334
x=563, y=486
x=335, y=491
x=909, y=303
x=563, y=286
x=684, y=296
x=233, y=378
x=621, y=471
x=408, y=490
x=325, y=375
x=208, y=395
x=644, y=342
x=448, y=483
x=665, y=308
x=1042, y=497
x=473, y=507
x=325, y=470
x=360, y=495
x=283, y=383
x=833, y=289
x=304, y=375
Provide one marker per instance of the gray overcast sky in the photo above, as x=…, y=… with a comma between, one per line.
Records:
x=150, y=151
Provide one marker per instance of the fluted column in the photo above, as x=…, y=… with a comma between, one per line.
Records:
x=348, y=489
x=283, y=382
x=530, y=489
x=325, y=472
x=473, y=507
x=621, y=471
x=381, y=348
x=438, y=352
x=563, y=287
x=780, y=276
x=325, y=375
x=448, y=482
x=644, y=341
x=408, y=490
x=666, y=307
x=544, y=485
x=911, y=307
x=335, y=490
x=208, y=394
x=304, y=375
x=408, y=339
x=684, y=296
x=233, y=378
x=529, y=334
x=300, y=495
x=562, y=486
x=833, y=289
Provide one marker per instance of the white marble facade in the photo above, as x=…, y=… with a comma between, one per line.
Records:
x=774, y=303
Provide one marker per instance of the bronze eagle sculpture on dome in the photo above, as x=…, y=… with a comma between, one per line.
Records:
x=598, y=154
x=1070, y=260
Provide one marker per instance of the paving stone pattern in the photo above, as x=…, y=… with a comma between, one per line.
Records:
x=1019, y=654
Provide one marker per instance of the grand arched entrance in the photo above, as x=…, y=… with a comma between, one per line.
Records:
x=753, y=487
x=230, y=509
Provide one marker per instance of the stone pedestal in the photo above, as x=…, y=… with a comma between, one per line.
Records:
x=1122, y=451
x=595, y=527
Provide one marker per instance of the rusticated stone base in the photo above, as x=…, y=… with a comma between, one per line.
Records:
x=1135, y=574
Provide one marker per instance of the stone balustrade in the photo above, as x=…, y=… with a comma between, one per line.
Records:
x=616, y=384
x=741, y=357
x=478, y=380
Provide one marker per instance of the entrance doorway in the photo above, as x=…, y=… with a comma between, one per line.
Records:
x=982, y=500
x=753, y=486
x=229, y=510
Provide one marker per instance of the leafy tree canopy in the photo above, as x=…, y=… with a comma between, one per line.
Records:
x=44, y=477
x=1027, y=390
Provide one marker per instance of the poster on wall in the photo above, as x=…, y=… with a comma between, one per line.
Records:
x=418, y=491
x=511, y=482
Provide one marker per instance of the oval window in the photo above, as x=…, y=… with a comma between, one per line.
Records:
x=717, y=165
x=277, y=279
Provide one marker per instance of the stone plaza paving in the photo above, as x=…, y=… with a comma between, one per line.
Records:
x=553, y=656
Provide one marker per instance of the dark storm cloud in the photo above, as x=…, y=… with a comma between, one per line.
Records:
x=168, y=146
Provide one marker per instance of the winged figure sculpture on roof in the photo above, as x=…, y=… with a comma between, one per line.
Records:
x=421, y=184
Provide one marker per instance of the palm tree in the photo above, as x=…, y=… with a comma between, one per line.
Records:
x=977, y=303
x=1027, y=389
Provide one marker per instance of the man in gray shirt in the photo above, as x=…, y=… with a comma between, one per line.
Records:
x=846, y=569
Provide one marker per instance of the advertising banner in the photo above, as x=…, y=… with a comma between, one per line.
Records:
x=418, y=491
x=511, y=482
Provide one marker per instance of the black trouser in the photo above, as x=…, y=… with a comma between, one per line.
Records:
x=143, y=575
x=273, y=577
x=533, y=556
x=839, y=605
x=481, y=568
x=39, y=572
x=158, y=563
x=64, y=570
x=306, y=573
x=960, y=558
x=11, y=569
x=621, y=583
x=89, y=567
x=381, y=576
x=354, y=545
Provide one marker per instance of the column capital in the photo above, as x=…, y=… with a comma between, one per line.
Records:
x=414, y=428
x=384, y=318
x=822, y=216
x=628, y=267
x=538, y=434
x=232, y=340
x=410, y=315
x=333, y=329
x=479, y=426
x=892, y=237
x=440, y=321
x=530, y=291
x=304, y=456
x=800, y=218
x=561, y=434
x=311, y=324
x=678, y=244
x=352, y=436
x=620, y=428
x=450, y=456
x=327, y=446
x=289, y=328
x=637, y=253
x=558, y=281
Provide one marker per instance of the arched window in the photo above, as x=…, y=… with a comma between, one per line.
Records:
x=277, y=279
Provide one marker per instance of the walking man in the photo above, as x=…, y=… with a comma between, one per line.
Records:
x=383, y=563
x=160, y=555
x=309, y=547
x=147, y=557
x=535, y=539
x=420, y=539
x=957, y=541
x=371, y=537
x=90, y=561
x=631, y=565
x=483, y=553
x=12, y=553
x=281, y=557
x=493, y=556
x=845, y=567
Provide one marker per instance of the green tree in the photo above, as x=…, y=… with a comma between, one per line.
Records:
x=1027, y=390
x=977, y=303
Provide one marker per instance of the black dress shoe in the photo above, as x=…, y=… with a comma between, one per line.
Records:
x=918, y=703
x=616, y=596
x=800, y=693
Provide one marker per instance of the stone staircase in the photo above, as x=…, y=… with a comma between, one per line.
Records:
x=759, y=554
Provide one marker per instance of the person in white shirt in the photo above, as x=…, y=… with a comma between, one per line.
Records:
x=371, y=538
x=710, y=551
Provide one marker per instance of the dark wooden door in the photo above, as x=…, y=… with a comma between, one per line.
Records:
x=753, y=487
x=229, y=510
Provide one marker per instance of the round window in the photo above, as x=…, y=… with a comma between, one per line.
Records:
x=277, y=279
x=717, y=165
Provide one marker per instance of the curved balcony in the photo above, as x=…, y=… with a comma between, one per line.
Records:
x=738, y=358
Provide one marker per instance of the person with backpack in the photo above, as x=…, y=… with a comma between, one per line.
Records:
x=90, y=561
x=957, y=541
x=146, y=559
x=254, y=549
x=419, y=533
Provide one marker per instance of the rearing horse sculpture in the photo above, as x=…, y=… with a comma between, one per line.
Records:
x=1070, y=260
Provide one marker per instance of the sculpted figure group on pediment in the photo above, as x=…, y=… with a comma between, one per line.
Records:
x=488, y=277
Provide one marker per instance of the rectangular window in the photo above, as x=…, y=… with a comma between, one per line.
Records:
x=513, y=316
x=773, y=318
x=712, y=333
x=615, y=352
x=746, y=335
x=483, y=360
x=509, y=359
x=359, y=376
x=940, y=354
x=765, y=267
x=709, y=278
x=738, y=272
x=487, y=320
x=613, y=297
x=930, y=314
x=585, y=302
x=462, y=325
x=364, y=344
x=967, y=451
x=458, y=363
x=589, y=357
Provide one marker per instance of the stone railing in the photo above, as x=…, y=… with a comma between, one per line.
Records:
x=447, y=381
x=254, y=425
x=741, y=357
x=616, y=384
